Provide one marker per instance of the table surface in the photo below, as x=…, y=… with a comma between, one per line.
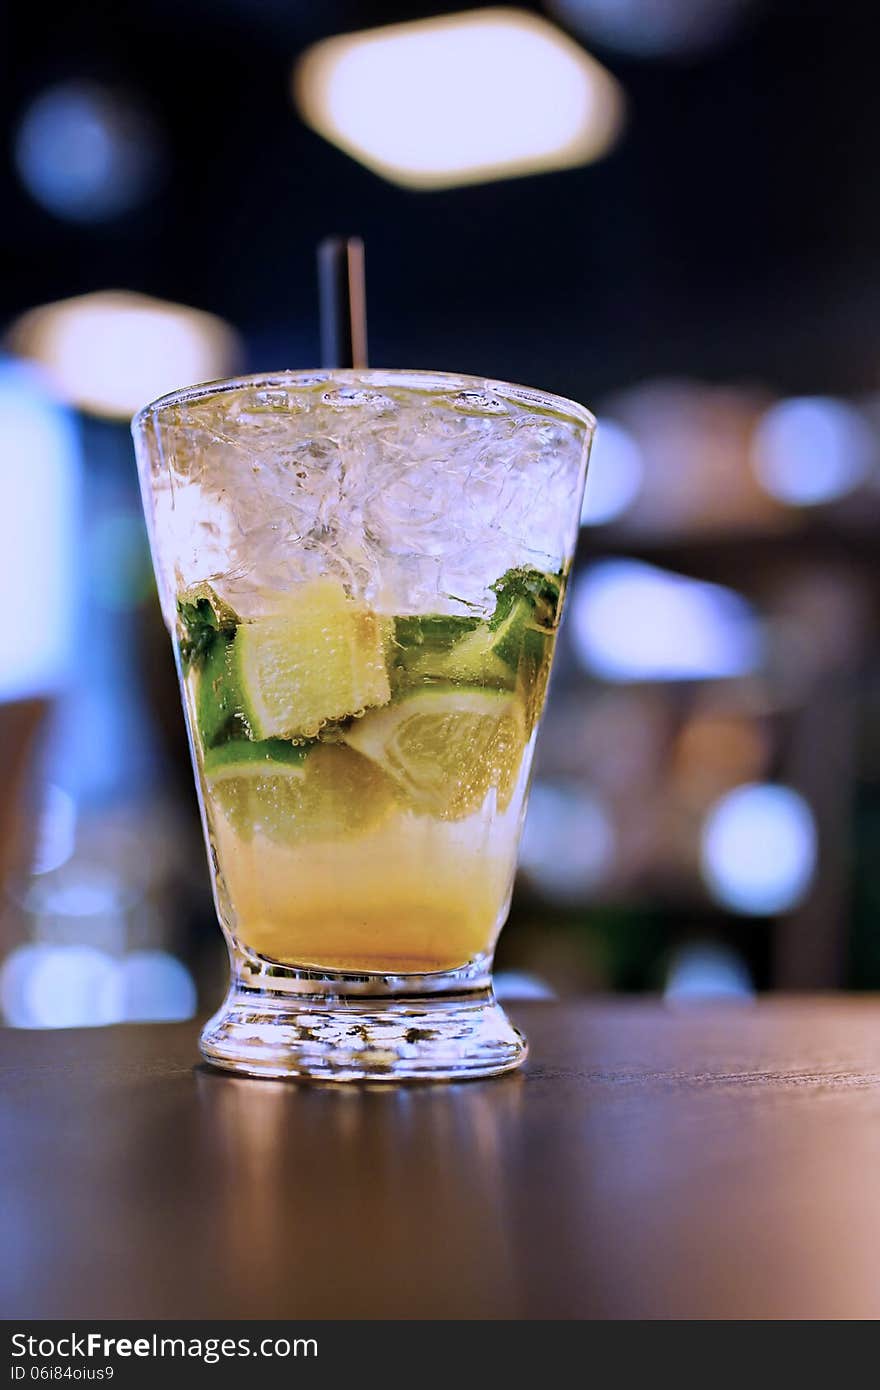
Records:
x=718, y=1162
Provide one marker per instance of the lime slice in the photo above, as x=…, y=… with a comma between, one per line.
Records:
x=293, y=794
x=471, y=664
x=446, y=747
x=321, y=658
x=242, y=758
x=486, y=655
x=513, y=650
x=435, y=632
x=448, y=648
x=509, y=634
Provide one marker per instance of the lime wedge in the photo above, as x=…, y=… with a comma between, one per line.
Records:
x=446, y=747
x=484, y=655
x=292, y=794
x=242, y=758
x=475, y=665
x=433, y=631
x=446, y=648
x=321, y=658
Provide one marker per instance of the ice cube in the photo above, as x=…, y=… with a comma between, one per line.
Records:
x=418, y=501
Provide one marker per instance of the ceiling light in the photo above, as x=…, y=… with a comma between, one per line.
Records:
x=112, y=352
x=461, y=98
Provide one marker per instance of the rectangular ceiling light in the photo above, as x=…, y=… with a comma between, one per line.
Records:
x=464, y=98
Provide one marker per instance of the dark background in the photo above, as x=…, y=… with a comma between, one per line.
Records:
x=732, y=233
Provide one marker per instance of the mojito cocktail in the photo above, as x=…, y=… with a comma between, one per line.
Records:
x=363, y=575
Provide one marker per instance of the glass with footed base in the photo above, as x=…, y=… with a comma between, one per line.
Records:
x=363, y=574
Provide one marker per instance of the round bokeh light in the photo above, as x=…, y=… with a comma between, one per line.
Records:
x=86, y=152
x=759, y=849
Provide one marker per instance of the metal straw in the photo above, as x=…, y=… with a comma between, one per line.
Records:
x=343, y=300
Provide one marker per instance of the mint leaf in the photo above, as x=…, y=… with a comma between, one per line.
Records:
x=542, y=592
x=201, y=617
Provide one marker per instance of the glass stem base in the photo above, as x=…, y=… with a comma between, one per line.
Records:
x=281, y=1021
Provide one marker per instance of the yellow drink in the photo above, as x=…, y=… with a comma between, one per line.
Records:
x=361, y=902
x=380, y=838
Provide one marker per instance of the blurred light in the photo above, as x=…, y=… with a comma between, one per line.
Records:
x=813, y=449
x=85, y=152
x=460, y=98
x=45, y=986
x=80, y=903
x=615, y=474
x=155, y=987
x=759, y=849
x=652, y=28
x=79, y=890
x=520, y=984
x=715, y=751
x=112, y=352
x=695, y=442
x=121, y=574
x=15, y=972
x=568, y=842
x=707, y=972
x=631, y=621
x=56, y=830
x=38, y=490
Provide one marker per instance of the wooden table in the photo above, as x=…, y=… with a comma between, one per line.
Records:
x=719, y=1162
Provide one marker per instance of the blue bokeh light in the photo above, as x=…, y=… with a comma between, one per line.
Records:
x=615, y=474
x=79, y=985
x=85, y=152
x=704, y=972
x=652, y=28
x=521, y=984
x=55, y=830
x=59, y=986
x=759, y=849
x=39, y=492
x=631, y=621
x=568, y=843
x=155, y=987
x=813, y=449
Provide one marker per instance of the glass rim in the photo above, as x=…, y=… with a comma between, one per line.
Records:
x=415, y=379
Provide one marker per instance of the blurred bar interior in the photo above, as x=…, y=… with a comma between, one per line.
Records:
x=666, y=210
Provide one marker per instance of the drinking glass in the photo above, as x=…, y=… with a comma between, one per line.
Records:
x=363, y=574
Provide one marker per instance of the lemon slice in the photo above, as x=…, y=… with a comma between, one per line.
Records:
x=445, y=748
x=320, y=658
x=291, y=794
